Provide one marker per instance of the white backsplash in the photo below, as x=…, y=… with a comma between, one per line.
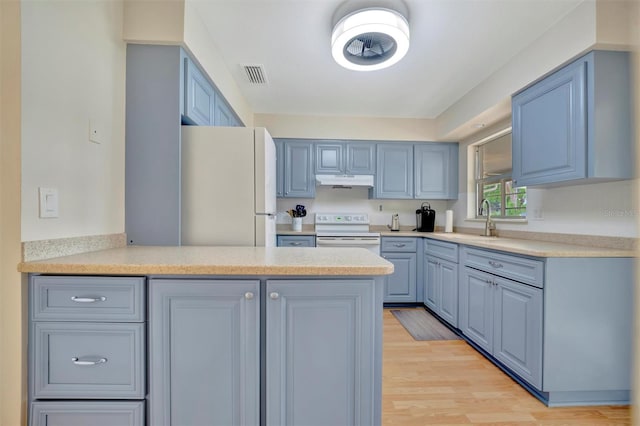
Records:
x=356, y=200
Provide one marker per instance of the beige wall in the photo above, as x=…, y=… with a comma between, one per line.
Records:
x=200, y=43
x=153, y=21
x=12, y=306
x=179, y=22
x=362, y=128
x=73, y=73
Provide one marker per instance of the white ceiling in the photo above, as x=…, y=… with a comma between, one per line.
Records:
x=455, y=45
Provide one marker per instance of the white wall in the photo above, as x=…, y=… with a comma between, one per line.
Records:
x=361, y=128
x=355, y=200
x=73, y=71
x=198, y=40
x=605, y=209
x=572, y=35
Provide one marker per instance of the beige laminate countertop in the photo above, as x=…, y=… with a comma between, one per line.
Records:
x=528, y=247
x=195, y=260
x=518, y=246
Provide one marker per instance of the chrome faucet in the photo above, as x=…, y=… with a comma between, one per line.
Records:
x=489, y=226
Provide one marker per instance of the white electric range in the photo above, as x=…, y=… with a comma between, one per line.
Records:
x=346, y=230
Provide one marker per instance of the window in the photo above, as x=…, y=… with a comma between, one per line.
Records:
x=493, y=180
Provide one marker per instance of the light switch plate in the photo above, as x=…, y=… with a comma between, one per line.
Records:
x=48, y=202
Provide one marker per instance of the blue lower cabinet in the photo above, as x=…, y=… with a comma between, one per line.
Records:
x=322, y=350
x=77, y=413
x=296, y=240
x=204, y=356
x=400, y=286
x=504, y=318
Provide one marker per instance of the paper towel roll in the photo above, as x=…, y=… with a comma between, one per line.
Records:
x=448, y=221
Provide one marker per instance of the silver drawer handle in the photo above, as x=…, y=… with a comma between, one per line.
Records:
x=248, y=295
x=88, y=299
x=78, y=361
x=496, y=264
x=274, y=296
x=296, y=243
x=399, y=245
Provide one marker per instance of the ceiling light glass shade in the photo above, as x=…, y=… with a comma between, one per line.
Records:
x=370, y=39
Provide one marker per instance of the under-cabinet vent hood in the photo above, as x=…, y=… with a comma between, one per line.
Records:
x=345, y=181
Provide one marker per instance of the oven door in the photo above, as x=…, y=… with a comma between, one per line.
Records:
x=370, y=243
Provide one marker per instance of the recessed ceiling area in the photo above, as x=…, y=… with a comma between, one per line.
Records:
x=455, y=45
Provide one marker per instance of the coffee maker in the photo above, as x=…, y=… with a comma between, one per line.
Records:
x=425, y=218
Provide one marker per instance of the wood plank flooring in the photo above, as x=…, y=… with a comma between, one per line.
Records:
x=449, y=383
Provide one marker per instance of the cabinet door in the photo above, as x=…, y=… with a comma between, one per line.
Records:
x=448, y=292
x=298, y=170
x=223, y=114
x=199, y=96
x=476, y=307
x=436, y=171
x=518, y=329
x=431, y=283
x=296, y=241
x=394, y=172
x=279, y=168
x=549, y=128
x=329, y=158
x=360, y=159
x=401, y=285
x=204, y=352
x=78, y=413
x=321, y=353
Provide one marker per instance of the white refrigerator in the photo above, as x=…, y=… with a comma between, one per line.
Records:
x=228, y=186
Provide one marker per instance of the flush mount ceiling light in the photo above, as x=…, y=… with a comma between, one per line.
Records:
x=370, y=39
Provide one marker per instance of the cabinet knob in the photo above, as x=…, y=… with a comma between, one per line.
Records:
x=248, y=295
x=274, y=296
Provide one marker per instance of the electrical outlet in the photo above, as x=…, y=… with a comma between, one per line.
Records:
x=537, y=214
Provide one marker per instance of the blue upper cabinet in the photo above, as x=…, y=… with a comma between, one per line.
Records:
x=436, y=171
x=394, y=171
x=352, y=158
x=575, y=124
x=360, y=158
x=223, y=115
x=204, y=105
x=329, y=158
x=299, y=179
x=199, y=96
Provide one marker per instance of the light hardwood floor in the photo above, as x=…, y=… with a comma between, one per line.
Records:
x=448, y=382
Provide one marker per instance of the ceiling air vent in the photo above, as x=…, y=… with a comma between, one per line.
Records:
x=255, y=73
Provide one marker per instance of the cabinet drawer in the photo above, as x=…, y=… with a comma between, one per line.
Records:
x=78, y=413
x=399, y=244
x=88, y=361
x=525, y=270
x=441, y=249
x=62, y=298
x=296, y=241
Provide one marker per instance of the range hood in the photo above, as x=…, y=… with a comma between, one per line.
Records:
x=345, y=181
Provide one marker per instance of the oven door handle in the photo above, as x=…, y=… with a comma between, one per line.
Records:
x=345, y=241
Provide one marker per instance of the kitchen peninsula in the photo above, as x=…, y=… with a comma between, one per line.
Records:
x=228, y=335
